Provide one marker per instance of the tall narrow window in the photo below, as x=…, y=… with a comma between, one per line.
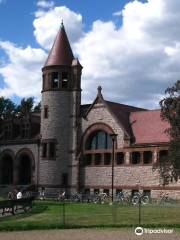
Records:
x=97, y=160
x=147, y=157
x=55, y=80
x=107, y=158
x=44, y=150
x=52, y=149
x=135, y=157
x=64, y=80
x=64, y=179
x=120, y=158
x=44, y=81
x=45, y=111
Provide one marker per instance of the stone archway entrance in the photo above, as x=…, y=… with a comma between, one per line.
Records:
x=25, y=169
x=7, y=169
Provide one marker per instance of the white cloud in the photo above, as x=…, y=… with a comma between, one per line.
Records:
x=134, y=62
x=22, y=74
x=45, y=4
x=118, y=13
x=47, y=23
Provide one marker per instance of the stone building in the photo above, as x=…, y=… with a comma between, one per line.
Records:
x=69, y=146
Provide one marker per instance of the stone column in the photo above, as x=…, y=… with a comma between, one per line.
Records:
x=155, y=156
x=127, y=158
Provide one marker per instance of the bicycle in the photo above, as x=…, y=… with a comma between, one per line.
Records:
x=76, y=197
x=139, y=198
x=101, y=198
x=122, y=197
x=164, y=198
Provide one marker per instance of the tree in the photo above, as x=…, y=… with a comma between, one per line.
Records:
x=170, y=111
x=25, y=107
x=7, y=108
x=37, y=108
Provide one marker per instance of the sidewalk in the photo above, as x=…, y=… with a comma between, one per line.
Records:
x=85, y=234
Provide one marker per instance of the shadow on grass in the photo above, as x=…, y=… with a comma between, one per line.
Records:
x=36, y=209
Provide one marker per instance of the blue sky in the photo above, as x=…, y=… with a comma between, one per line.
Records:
x=131, y=48
x=16, y=17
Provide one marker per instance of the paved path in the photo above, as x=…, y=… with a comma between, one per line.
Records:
x=85, y=234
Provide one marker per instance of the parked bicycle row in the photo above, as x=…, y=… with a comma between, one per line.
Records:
x=122, y=197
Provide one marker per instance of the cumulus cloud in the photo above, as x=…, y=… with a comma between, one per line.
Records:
x=22, y=73
x=47, y=23
x=118, y=13
x=45, y=4
x=134, y=62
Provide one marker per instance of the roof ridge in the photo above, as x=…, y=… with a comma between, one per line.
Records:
x=148, y=110
x=122, y=104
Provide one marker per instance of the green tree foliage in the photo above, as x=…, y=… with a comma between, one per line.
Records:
x=170, y=111
x=25, y=107
x=7, y=108
x=37, y=108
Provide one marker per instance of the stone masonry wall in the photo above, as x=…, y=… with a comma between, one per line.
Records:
x=99, y=113
x=17, y=148
x=126, y=176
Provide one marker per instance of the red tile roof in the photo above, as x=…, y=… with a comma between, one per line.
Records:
x=61, y=53
x=147, y=127
x=122, y=112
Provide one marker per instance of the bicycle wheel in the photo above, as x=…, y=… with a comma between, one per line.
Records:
x=145, y=200
x=135, y=200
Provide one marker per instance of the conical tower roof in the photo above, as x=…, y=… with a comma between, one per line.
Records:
x=61, y=52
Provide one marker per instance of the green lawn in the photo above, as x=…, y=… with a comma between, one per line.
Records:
x=46, y=215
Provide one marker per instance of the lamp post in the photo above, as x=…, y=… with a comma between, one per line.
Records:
x=113, y=137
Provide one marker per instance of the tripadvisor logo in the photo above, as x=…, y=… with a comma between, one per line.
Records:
x=139, y=231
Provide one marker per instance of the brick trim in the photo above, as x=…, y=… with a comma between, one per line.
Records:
x=133, y=187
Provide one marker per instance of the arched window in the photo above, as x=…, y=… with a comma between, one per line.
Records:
x=99, y=140
x=7, y=170
x=25, y=169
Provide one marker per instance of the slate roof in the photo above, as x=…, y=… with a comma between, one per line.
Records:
x=61, y=52
x=122, y=112
x=147, y=127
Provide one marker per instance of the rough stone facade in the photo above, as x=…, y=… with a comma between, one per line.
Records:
x=58, y=152
x=32, y=150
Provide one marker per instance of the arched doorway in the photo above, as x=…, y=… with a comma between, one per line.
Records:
x=6, y=169
x=25, y=169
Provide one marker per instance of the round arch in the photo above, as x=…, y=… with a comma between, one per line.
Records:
x=25, y=165
x=6, y=166
x=95, y=128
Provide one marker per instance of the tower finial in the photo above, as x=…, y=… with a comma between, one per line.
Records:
x=62, y=25
x=99, y=90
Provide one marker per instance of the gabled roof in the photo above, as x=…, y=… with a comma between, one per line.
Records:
x=122, y=112
x=84, y=108
x=148, y=127
x=142, y=126
x=61, y=53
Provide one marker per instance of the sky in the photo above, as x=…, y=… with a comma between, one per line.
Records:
x=129, y=47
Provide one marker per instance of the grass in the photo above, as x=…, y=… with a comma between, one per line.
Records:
x=49, y=215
